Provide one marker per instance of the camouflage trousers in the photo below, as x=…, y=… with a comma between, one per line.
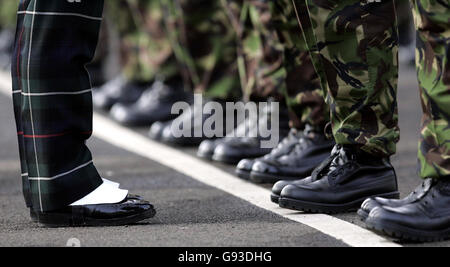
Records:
x=8, y=12
x=145, y=48
x=432, y=19
x=204, y=43
x=354, y=46
x=274, y=60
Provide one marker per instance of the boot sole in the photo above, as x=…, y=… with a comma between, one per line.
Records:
x=403, y=233
x=56, y=220
x=275, y=198
x=313, y=207
x=363, y=215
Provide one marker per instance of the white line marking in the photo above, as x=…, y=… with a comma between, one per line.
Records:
x=124, y=138
x=59, y=14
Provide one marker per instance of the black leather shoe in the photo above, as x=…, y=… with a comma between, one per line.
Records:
x=118, y=90
x=231, y=149
x=425, y=219
x=157, y=129
x=312, y=149
x=245, y=166
x=342, y=182
x=194, y=118
x=207, y=147
x=154, y=105
x=371, y=203
x=280, y=185
x=234, y=149
x=131, y=210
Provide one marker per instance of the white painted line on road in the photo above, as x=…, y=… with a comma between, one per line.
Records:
x=124, y=138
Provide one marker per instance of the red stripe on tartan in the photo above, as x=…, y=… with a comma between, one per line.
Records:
x=50, y=135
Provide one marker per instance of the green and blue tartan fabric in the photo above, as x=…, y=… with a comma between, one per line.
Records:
x=52, y=99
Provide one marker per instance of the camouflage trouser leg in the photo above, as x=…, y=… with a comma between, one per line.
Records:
x=305, y=95
x=145, y=47
x=260, y=52
x=204, y=44
x=432, y=19
x=8, y=10
x=274, y=61
x=354, y=48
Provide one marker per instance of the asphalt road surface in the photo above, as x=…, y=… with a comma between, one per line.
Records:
x=190, y=213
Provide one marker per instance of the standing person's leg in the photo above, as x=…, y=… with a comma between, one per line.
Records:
x=53, y=109
x=148, y=58
x=204, y=45
x=260, y=63
x=407, y=218
x=308, y=111
x=353, y=46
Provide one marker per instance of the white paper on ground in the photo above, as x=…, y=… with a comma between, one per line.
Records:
x=107, y=193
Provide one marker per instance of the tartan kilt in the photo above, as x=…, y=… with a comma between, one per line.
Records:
x=52, y=98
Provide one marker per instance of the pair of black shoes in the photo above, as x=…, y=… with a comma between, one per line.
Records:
x=187, y=129
x=296, y=156
x=341, y=183
x=238, y=144
x=131, y=210
x=155, y=104
x=118, y=90
x=422, y=216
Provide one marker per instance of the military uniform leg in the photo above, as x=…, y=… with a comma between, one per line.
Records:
x=357, y=57
x=433, y=67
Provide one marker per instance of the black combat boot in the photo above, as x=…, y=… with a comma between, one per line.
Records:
x=154, y=105
x=312, y=149
x=342, y=182
x=118, y=90
x=371, y=203
x=239, y=145
x=425, y=219
x=245, y=166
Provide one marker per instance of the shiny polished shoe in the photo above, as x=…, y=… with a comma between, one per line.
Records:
x=244, y=167
x=194, y=119
x=425, y=219
x=118, y=90
x=234, y=149
x=371, y=203
x=154, y=105
x=342, y=183
x=280, y=185
x=131, y=210
x=312, y=149
x=207, y=147
x=156, y=130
